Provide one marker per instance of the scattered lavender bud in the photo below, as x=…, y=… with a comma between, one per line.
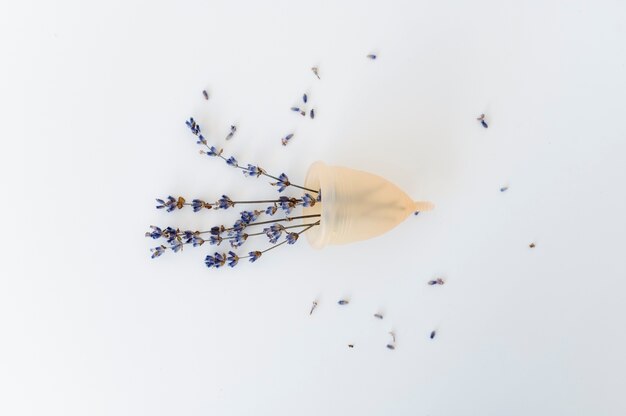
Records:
x=531, y=245
x=391, y=347
x=440, y=281
x=305, y=98
x=205, y=94
x=432, y=334
x=313, y=307
x=377, y=315
x=233, y=129
x=295, y=109
x=372, y=56
x=393, y=337
x=350, y=345
x=432, y=282
x=482, y=121
x=286, y=139
x=315, y=71
x=343, y=302
x=504, y=189
x=312, y=113
x=416, y=213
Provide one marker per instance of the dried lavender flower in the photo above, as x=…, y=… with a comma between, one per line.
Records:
x=217, y=260
x=205, y=94
x=391, y=346
x=233, y=259
x=286, y=139
x=482, y=121
x=282, y=183
x=292, y=238
x=254, y=256
x=377, y=315
x=504, y=189
x=312, y=113
x=305, y=98
x=343, y=302
x=231, y=161
x=313, y=307
x=432, y=334
x=372, y=56
x=157, y=251
x=308, y=200
x=233, y=129
x=531, y=245
x=316, y=72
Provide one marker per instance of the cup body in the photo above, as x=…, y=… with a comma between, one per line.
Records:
x=355, y=205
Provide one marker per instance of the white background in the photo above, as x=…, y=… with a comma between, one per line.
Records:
x=93, y=98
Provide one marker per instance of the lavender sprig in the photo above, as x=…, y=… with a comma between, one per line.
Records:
x=218, y=260
x=213, y=151
x=177, y=239
x=286, y=203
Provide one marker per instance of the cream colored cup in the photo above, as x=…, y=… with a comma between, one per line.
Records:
x=355, y=205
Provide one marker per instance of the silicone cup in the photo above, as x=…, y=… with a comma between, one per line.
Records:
x=355, y=205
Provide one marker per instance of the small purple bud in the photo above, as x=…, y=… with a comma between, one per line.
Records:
x=205, y=94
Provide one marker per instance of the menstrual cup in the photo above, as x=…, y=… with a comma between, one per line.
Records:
x=355, y=205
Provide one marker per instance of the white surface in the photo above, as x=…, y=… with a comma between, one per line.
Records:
x=93, y=99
